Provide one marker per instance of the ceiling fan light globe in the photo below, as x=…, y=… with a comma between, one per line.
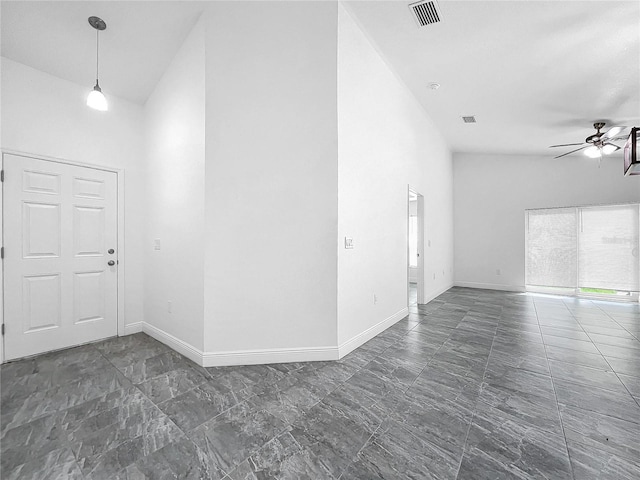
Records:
x=609, y=148
x=97, y=101
x=593, y=152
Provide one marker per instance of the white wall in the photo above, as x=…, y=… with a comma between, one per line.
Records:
x=386, y=142
x=492, y=192
x=174, y=136
x=252, y=225
x=45, y=115
x=271, y=176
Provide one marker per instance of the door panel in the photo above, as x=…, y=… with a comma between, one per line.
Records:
x=88, y=188
x=59, y=222
x=40, y=182
x=88, y=231
x=41, y=302
x=40, y=230
x=88, y=298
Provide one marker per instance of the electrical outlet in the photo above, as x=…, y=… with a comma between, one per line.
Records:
x=375, y=299
x=156, y=244
x=434, y=276
x=169, y=306
x=498, y=272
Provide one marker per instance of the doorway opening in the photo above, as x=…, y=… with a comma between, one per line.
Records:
x=415, y=248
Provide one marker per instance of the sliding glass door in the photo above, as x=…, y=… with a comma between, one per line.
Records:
x=584, y=250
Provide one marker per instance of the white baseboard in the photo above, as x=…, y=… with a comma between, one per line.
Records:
x=257, y=357
x=491, y=286
x=131, y=328
x=431, y=295
x=180, y=346
x=279, y=355
x=240, y=357
x=363, y=337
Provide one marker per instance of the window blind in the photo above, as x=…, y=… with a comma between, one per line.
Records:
x=551, y=247
x=608, y=248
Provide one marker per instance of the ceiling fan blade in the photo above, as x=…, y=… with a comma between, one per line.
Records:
x=572, y=151
x=566, y=145
x=613, y=131
x=609, y=148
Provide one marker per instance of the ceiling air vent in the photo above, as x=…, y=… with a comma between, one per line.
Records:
x=471, y=119
x=425, y=13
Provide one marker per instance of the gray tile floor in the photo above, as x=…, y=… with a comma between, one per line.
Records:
x=474, y=385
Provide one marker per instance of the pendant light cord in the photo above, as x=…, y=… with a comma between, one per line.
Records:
x=97, y=52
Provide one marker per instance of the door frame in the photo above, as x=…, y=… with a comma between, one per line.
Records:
x=420, y=227
x=120, y=199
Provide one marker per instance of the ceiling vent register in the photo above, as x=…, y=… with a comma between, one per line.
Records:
x=425, y=13
x=469, y=119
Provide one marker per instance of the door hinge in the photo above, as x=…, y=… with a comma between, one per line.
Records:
x=1, y=252
x=3, y=329
x=1, y=175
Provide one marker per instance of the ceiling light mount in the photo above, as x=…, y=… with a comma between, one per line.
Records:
x=97, y=23
x=596, y=136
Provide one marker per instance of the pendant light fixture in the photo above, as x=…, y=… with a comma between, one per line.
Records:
x=96, y=98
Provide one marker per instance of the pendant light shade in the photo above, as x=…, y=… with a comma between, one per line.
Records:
x=96, y=98
x=609, y=148
x=596, y=151
x=593, y=152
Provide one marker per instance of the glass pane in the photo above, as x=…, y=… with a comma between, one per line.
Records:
x=551, y=248
x=608, y=248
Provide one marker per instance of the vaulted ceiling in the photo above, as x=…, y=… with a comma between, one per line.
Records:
x=140, y=41
x=533, y=73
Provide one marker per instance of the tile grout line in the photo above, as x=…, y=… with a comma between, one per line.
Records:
x=290, y=425
x=618, y=323
x=189, y=437
x=429, y=363
x=150, y=400
x=351, y=462
x=603, y=356
x=555, y=394
x=475, y=407
x=76, y=460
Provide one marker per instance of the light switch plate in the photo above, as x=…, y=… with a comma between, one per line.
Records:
x=348, y=242
x=156, y=244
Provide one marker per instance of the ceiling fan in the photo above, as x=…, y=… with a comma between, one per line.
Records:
x=598, y=144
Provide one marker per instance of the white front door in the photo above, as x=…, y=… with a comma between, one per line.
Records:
x=60, y=277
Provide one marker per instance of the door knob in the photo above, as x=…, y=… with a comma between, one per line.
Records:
x=111, y=251
x=111, y=263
